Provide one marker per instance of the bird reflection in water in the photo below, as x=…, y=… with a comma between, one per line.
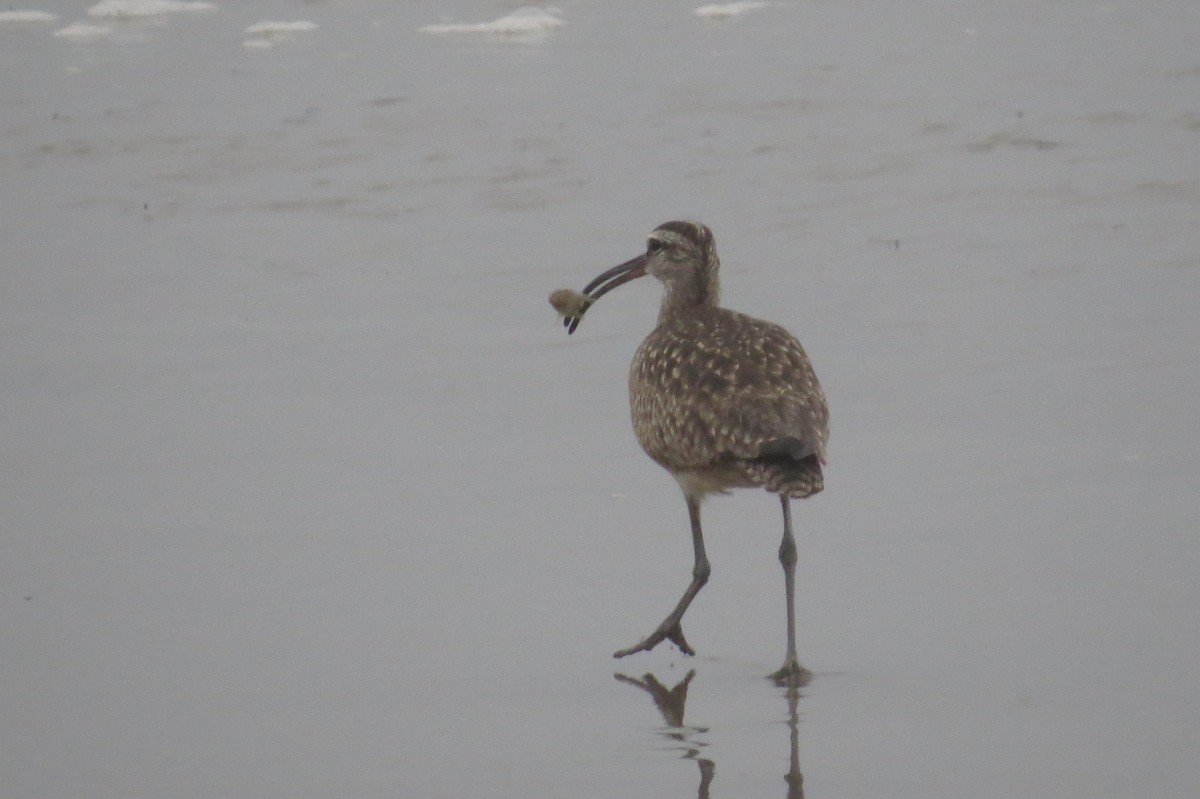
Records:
x=671, y=703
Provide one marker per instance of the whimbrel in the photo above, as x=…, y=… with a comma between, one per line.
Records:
x=721, y=400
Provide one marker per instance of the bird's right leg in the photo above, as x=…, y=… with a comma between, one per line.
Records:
x=791, y=673
x=670, y=629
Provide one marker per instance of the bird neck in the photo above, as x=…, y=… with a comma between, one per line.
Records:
x=701, y=289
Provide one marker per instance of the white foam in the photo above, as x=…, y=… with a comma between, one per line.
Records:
x=726, y=10
x=258, y=44
x=522, y=22
x=83, y=30
x=267, y=28
x=127, y=9
x=16, y=17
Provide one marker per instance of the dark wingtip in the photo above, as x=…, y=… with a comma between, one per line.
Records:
x=788, y=447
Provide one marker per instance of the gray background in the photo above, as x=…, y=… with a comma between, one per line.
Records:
x=304, y=492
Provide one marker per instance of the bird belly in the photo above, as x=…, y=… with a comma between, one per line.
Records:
x=713, y=480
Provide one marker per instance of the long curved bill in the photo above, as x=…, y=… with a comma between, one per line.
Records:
x=606, y=282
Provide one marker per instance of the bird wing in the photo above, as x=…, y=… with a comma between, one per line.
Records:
x=725, y=385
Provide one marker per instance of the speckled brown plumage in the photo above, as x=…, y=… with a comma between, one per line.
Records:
x=721, y=400
x=725, y=400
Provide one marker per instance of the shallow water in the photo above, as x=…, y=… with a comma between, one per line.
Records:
x=306, y=492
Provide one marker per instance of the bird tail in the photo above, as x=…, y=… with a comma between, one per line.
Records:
x=782, y=475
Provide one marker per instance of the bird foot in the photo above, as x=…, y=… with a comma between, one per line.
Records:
x=667, y=631
x=792, y=674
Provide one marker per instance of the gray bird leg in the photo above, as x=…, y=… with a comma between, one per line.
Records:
x=670, y=629
x=791, y=673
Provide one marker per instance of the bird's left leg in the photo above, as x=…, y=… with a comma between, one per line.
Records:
x=670, y=629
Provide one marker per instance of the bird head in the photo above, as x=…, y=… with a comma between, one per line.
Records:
x=682, y=255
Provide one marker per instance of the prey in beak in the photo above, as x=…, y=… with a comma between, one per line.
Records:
x=572, y=305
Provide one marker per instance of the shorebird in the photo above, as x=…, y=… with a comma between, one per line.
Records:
x=720, y=400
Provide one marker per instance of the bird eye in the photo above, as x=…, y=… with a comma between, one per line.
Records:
x=653, y=246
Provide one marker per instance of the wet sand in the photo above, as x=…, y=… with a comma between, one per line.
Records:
x=307, y=493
